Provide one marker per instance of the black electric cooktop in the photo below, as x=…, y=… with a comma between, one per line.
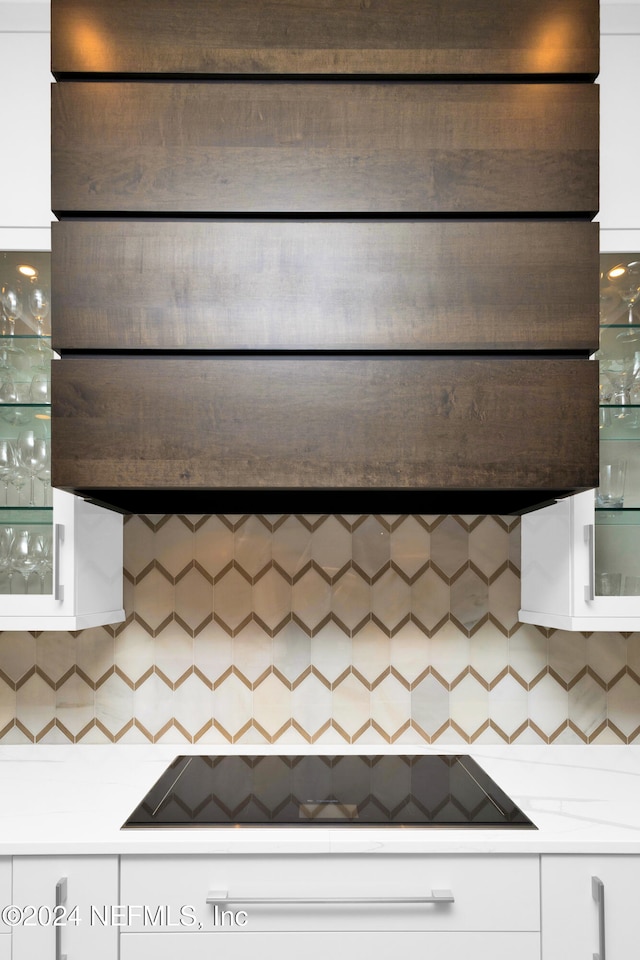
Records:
x=327, y=791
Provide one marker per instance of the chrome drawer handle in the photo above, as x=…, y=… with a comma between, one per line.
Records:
x=61, y=897
x=437, y=896
x=590, y=589
x=597, y=891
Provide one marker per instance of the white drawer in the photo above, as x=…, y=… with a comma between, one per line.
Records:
x=5, y=889
x=496, y=893
x=318, y=946
x=5, y=946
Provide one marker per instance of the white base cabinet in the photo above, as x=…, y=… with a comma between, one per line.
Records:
x=241, y=906
x=590, y=907
x=320, y=946
x=84, y=882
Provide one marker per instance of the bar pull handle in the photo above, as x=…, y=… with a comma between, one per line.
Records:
x=437, y=896
x=597, y=891
x=58, y=540
x=61, y=898
x=590, y=589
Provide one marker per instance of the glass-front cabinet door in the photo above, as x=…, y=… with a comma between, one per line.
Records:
x=60, y=558
x=581, y=557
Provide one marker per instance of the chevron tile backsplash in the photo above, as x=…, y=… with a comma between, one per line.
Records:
x=320, y=629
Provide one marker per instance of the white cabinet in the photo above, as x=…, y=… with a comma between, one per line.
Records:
x=86, y=585
x=558, y=569
x=234, y=906
x=80, y=882
x=319, y=946
x=587, y=917
x=619, y=133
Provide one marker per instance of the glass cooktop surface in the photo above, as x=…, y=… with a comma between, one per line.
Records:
x=330, y=791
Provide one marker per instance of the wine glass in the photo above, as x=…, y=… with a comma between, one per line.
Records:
x=22, y=559
x=11, y=311
x=41, y=553
x=44, y=476
x=40, y=389
x=6, y=539
x=7, y=465
x=39, y=304
x=620, y=293
x=33, y=454
x=19, y=477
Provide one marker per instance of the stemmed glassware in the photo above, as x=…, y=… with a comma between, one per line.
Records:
x=7, y=465
x=22, y=559
x=6, y=563
x=11, y=305
x=41, y=552
x=33, y=454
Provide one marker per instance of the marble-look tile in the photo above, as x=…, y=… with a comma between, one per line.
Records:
x=193, y=703
x=469, y=598
x=154, y=599
x=331, y=546
x=291, y=547
x=173, y=652
x=450, y=649
x=504, y=599
x=311, y=704
x=173, y=546
x=35, y=704
x=371, y=546
x=528, y=652
x=488, y=651
x=213, y=651
x=331, y=651
x=75, y=706
x=508, y=705
x=139, y=545
x=370, y=652
x=271, y=705
x=95, y=652
x=252, y=545
x=252, y=651
x=114, y=704
x=391, y=705
x=409, y=652
x=311, y=599
x=622, y=705
x=430, y=600
x=291, y=651
x=606, y=654
x=351, y=599
x=567, y=654
x=351, y=706
x=587, y=705
x=213, y=545
x=271, y=599
x=548, y=705
x=391, y=600
x=17, y=653
x=232, y=705
x=449, y=546
x=488, y=546
x=430, y=708
x=232, y=599
x=153, y=704
x=410, y=546
x=469, y=705
x=55, y=654
x=194, y=599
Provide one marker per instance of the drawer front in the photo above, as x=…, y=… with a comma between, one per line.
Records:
x=318, y=946
x=295, y=423
x=329, y=285
x=5, y=947
x=327, y=148
x=332, y=37
x=496, y=894
x=90, y=881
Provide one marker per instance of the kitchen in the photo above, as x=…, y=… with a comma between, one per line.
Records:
x=309, y=632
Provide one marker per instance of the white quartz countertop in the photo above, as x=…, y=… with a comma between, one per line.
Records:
x=74, y=799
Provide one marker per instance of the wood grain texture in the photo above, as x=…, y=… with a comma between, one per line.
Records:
x=328, y=148
x=325, y=36
x=341, y=423
x=328, y=285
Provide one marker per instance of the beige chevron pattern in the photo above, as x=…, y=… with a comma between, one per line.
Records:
x=320, y=629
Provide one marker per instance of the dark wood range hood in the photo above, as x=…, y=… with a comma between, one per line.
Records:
x=325, y=255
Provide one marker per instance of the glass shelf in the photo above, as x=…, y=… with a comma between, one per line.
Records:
x=622, y=516
x=11, y=516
